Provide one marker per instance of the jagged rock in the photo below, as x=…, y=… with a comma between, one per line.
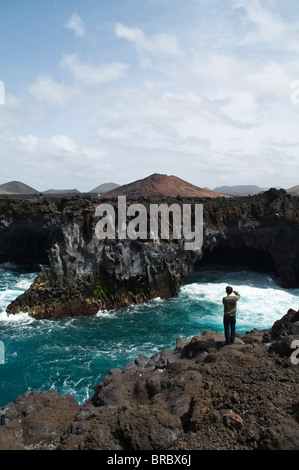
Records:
x=208, y=341
x=232, y=420
x=142, y=360
x=181, y=343
x=284, y=332
x=243, y=396
x=36, y=420
x=150, y=428
x=282, y=327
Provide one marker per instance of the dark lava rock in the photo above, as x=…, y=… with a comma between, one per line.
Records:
x=36, y=420
x=203, y=395
x=81, y=274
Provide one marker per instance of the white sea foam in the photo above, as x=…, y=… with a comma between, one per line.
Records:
x=260, y=305
x=10, y=289
x=106, y=314
x=21, y=318
x=23, y=284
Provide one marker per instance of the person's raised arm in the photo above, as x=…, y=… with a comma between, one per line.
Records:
x=236, y=294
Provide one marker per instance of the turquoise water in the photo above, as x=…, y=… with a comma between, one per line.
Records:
x=72, y=355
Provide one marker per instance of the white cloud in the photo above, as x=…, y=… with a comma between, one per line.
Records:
x=46, y=89
x=212, y=115
x=76, y=24
x=30, y=142
x=161, y=43
x=221, y=76
x=242, y=107
x=271, y=28
x=55, y=161
x=90, y=74
x=33, y=145
x=65, y=143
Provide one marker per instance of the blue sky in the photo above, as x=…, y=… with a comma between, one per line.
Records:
x=112, y=91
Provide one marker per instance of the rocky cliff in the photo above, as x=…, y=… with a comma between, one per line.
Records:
x=81, y=274
x=203, y=395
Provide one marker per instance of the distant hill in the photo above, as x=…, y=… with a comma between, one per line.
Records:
x=61, y=191
x=103, y=188
x=239, y=190
x=294, y=190
x=158, y=185
x=16, y=187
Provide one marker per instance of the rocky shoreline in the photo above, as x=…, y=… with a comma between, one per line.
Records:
x=81, y=274
x=203, y=395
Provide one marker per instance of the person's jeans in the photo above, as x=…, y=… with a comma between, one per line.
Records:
x=229, y=322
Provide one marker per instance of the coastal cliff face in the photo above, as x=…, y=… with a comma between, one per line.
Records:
x=84, y=274
x=202, y=395
x=81, y=274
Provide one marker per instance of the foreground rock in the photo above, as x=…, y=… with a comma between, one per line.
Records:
x=201, y=395
x=36, y=420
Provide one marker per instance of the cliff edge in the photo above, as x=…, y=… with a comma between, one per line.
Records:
x=81, y=274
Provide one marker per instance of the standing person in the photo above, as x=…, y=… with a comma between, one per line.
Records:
x=230, y=310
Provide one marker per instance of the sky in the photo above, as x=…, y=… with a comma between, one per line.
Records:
x=100, y=91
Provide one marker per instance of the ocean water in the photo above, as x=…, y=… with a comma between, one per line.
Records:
x=72, y=355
